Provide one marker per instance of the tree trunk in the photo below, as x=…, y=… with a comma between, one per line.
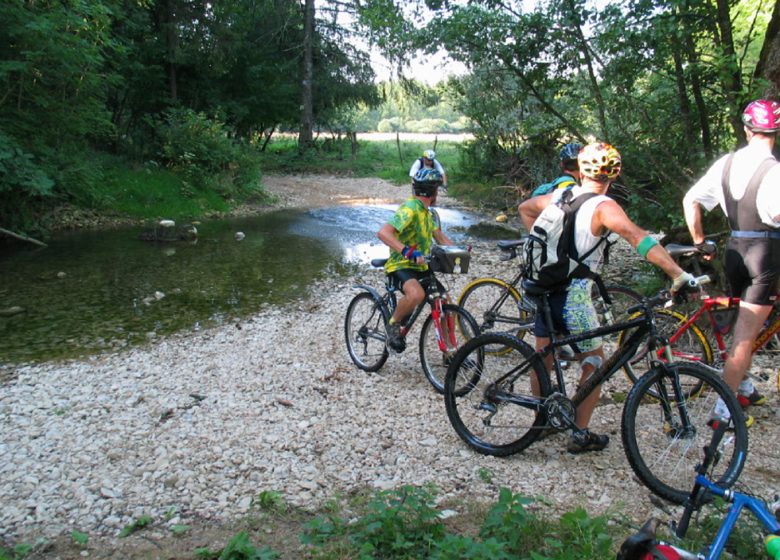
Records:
x=305, y=136
x=171, y=44
x=22, y=237
x=768, y=67
x=696, y=90
x=730, y=75
x=685, y=106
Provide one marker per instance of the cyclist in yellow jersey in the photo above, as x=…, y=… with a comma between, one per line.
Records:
x=410, y=234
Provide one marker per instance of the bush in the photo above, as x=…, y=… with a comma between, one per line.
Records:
x=200, y=149
x=389, y=125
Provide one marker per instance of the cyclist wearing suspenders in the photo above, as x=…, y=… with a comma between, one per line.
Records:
x=746, y=185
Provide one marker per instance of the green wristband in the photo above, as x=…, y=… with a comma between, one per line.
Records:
x=645, y=245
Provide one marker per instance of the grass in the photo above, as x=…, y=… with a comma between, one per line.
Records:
x=372, y=159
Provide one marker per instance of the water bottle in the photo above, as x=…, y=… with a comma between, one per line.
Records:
x=773, y=546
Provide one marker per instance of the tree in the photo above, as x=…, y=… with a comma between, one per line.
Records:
x=307, y=86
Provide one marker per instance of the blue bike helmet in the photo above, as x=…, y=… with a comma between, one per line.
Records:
x=570, y=151
x=426, y=182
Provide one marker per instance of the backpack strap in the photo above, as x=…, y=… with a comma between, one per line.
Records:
x=585, y=271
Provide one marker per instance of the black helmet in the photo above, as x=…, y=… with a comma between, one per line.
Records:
x=426, y=181
x=570, y=151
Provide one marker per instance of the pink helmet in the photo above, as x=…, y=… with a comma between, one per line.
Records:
x=762, y=115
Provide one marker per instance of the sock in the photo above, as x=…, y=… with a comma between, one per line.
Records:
x=721, y=410
x=746, y=388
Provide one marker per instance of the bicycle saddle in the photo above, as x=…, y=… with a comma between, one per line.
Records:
x=531, y=288
x=378, y=263
x=505, y=245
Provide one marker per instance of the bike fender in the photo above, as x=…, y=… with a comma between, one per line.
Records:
x=376, y=297
x=368, y=289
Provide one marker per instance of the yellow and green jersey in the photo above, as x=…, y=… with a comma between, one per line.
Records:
x=415, y=226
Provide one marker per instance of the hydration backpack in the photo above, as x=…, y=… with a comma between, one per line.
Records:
x=562, y=182
x=551, y=258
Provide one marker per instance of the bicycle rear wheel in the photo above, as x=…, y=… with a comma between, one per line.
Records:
x=461, y=327
x=364, y=329
x=664, y=435
x=489, y=397
x=498, y=307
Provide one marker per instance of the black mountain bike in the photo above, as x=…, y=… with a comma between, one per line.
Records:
x=499, y=403
x=444, y=330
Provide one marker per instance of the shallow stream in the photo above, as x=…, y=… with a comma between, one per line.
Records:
x=91, y=291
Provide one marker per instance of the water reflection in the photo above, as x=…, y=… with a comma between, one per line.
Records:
x=90, y=291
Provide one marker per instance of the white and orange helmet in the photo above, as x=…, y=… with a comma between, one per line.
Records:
x=599, y=161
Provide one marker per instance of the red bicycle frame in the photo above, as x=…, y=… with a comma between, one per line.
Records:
x=718, y=303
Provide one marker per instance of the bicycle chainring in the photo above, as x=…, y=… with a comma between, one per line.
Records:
x=560, y=411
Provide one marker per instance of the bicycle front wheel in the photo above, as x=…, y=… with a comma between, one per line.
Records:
x=497, y=306
x=690, y=345
x=457, y=327
x=664, y=435
x=364, y=329
x=495, y=402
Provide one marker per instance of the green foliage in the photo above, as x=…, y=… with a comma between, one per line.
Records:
x=179, y=529
x=269, y=500
x=19, y=172
x=399, y=524
x=659, y=80
x=486, y=475
x=140, y=523
x=404, y=524
x=151, y=192
x=79, y=538
x=18, y=552
x=238, y=548
x=200, y=149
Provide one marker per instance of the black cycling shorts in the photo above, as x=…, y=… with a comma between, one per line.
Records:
x=399, y=277
x=752, y=268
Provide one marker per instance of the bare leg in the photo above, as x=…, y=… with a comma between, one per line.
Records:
x=586, y=407
x=413, y=296
x=750, y=320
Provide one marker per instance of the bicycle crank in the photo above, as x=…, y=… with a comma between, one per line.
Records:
x=560, y=411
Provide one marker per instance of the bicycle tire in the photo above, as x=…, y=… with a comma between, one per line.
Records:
x=365, y=332
x=514, y=315
x=690, y=345
x=434, y=361
x=662, y=451
x=489, y=424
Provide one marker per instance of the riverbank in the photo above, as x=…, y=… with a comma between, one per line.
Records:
x=192, y=429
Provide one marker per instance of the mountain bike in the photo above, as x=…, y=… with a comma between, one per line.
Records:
x=500, y=403
x=500, y=306
x=689, y=341
x=636, y=546
x=444, y=330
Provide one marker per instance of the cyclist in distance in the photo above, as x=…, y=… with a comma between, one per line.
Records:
x=746, y=185
x=410, y=234
x=570, y=171
x=572, y=307
x=428, y=161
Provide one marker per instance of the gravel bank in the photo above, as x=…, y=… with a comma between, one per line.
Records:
x=201, y=423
